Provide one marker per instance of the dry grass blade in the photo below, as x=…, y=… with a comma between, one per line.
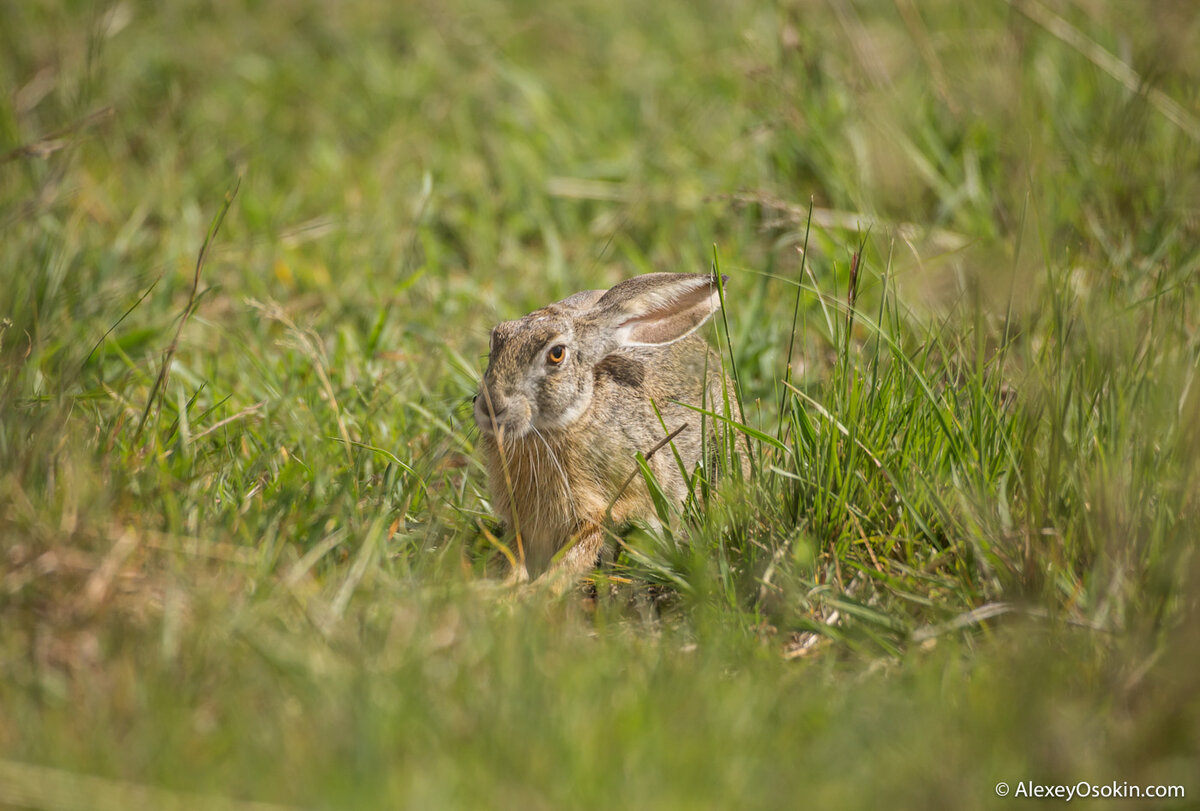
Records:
x=942, y=239
x=302, y=567
x=989, y=611
x=662, y=443
x=925, y=47
x=245, y=412
x=973, y=617
x=49, y=144
x=1110, y=64
x=504, y=467
x=165, y=371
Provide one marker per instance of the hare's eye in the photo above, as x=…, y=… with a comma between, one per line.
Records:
x=556, y=355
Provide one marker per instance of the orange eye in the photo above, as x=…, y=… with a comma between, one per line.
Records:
x=557, y=354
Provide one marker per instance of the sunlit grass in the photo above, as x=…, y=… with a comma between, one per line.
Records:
x=258, y=562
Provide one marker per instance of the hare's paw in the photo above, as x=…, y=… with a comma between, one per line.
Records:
x=517, y=577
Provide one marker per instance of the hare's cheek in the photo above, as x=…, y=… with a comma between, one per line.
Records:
x=561, y=404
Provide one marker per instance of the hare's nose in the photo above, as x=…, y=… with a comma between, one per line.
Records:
x=489, y=404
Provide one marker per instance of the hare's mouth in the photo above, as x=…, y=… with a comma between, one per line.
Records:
x=503, y=421
x=503, y=430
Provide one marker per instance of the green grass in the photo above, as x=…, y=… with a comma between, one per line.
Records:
x=962, y=242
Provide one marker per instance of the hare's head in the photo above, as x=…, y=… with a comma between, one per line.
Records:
x=541, y=369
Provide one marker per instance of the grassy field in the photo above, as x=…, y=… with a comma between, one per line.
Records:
x=250, y=252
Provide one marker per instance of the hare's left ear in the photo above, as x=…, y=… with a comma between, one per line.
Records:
x=657, y=308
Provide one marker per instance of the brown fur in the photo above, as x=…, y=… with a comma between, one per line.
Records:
x=560, y=439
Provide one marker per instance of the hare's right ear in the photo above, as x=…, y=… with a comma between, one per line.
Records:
x=657, y=308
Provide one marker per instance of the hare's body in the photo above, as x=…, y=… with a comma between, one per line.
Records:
x=569, y=399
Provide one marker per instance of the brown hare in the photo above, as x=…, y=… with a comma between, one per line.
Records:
x=569, y=398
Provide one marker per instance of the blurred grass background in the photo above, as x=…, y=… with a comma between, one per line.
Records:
x=967, y=554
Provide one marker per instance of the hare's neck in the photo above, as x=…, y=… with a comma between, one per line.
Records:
x=548, y=485
x=531, y=479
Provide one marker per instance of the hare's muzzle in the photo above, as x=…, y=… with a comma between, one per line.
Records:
x=490, y=410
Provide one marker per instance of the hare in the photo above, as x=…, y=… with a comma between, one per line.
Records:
x=569, y=399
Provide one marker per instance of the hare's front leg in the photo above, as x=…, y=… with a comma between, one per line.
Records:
x=518, y=576
x=579, y=559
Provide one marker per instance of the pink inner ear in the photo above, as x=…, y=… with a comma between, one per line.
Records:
x=672, y=319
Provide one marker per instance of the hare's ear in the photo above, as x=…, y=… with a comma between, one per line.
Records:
x=581, y=301
x=657, y=308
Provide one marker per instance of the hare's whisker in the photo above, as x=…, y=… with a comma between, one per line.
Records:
x=562, y=474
